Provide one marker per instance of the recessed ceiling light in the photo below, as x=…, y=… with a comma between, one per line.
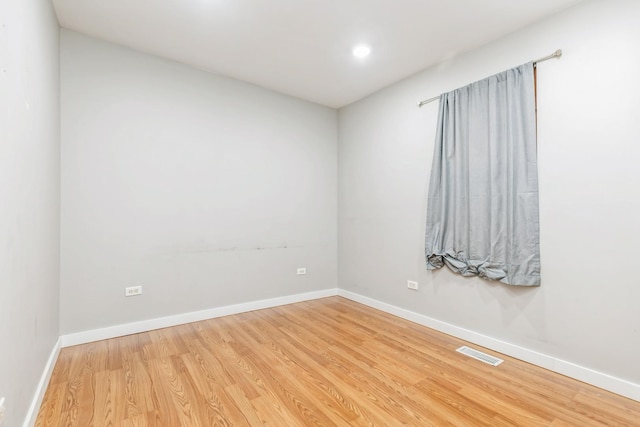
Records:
x=361, y=51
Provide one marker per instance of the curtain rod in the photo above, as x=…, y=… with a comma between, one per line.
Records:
x=556, y=54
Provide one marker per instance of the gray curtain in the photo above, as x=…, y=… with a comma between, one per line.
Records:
x=482, y=212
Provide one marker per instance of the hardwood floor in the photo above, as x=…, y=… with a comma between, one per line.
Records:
x=329, y=362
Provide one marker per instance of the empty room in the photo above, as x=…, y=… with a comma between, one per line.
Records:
x=319, y=212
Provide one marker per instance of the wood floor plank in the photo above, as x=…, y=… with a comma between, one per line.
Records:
x=327, y=362
x=244, y=405
x=338, y=388
x=108, y=407
x=51, y=414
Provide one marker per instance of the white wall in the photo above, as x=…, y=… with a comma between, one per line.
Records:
x=586, y=310
x=204, y=190
x=29, y=198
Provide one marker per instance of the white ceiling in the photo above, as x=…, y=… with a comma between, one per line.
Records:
x=303, y=47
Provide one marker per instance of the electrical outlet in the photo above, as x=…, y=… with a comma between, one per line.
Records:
x=2, y=410
x=301, y=271
x=412, y=285
x=133, y=291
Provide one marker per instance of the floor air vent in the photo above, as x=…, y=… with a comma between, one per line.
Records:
x=483, y=357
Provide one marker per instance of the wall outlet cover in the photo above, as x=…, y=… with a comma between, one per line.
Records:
x=301, y=271
x=2, y=410
x=412, y=285
x=132, y=291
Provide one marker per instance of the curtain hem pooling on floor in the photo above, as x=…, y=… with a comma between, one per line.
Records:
x=482, y=212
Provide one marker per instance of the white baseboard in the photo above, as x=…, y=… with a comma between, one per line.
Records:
x=180, y=319
x=569, y=369
x=32, y=413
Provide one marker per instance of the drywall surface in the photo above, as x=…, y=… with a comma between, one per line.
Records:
x=204, y=190
x=29, y=199
x=586, y=310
